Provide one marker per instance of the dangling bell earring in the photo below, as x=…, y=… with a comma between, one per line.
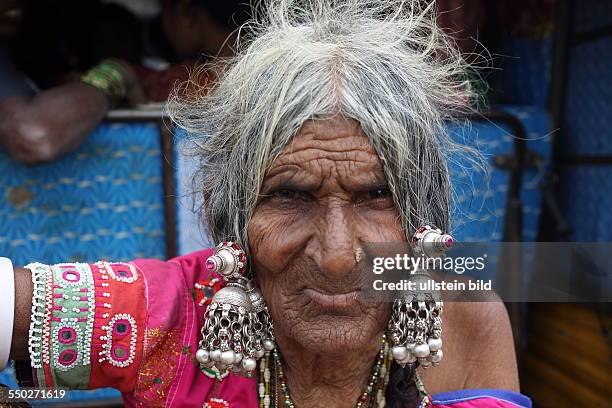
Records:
x=415, y=327
x=228, y=332
x=263, y=331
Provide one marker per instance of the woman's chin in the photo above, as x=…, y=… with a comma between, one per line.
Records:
x=335, y=334
x=332, y=332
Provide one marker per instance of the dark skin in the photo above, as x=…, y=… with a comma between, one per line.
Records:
x=323, y=198
x=56, y=121
x=41, y=128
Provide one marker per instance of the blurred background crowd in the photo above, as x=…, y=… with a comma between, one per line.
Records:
x=90, y=168
x=48, y=48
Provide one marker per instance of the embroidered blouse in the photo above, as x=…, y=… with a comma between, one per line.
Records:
x=135, y=327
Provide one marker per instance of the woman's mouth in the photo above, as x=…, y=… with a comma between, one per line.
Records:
x=332, y=301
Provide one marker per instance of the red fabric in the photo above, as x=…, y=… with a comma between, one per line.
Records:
x=125, y=298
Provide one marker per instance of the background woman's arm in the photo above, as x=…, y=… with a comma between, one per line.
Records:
x=45, y=126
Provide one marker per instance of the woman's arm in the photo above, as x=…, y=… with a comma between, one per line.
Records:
x=45, y=126
x=491, y=349
x=81, y=326
x=132, y=326
x=478, y=349
x=23, y=310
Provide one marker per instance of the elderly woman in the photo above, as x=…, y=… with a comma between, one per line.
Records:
x=324, y=134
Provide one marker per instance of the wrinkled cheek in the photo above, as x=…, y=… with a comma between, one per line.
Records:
x=274, y=241
x=276, y=245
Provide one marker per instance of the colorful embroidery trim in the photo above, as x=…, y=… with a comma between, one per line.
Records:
x=121, y=336
x=71, y=303
x=214, y=373
x=69, y=337
x=216, y=403
x=206, y=289
x=73, y=309
x=37, y=323
x=62, y=323
x=121, y=272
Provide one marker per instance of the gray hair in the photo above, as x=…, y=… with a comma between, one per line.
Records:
x=385, y=64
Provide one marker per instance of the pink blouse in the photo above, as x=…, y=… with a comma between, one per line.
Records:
x=136, y=326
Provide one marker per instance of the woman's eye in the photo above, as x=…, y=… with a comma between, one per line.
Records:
x=382, y=192
x=379, y=198
x=287, y=194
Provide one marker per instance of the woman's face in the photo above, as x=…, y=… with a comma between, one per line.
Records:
x=322, y=199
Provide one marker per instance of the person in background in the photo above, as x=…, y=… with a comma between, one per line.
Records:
x=186, y=34
x=63, y=65
x=49, y=101
x=195, y=27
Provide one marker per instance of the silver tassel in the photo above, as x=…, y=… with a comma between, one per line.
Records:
x=263, y=330
x=227, y=342
x=415, y=327
x=225, y=332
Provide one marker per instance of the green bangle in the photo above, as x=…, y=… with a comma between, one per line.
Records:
x=108, y=78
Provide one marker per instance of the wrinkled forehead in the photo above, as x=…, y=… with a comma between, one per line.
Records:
x=335, y=149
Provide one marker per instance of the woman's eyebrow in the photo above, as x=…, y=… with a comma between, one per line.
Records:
x=282, y=182
x=364, y=182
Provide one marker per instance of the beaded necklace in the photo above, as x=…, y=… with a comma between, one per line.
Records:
x=425, y=398
x=373, y=395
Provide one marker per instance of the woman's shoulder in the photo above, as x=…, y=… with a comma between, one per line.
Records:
x=478, y=349
x=479, y=321
x=194, y=259
x=481, y=398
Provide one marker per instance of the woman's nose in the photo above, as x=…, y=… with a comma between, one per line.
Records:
x=337, y=238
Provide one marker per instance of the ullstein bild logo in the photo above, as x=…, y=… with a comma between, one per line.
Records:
x=431, y=285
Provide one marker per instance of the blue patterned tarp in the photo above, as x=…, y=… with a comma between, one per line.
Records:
x=102, y=202
x=526, y=70
x=480, y=200
x=587, y=124
x=587, y=128
x=586, y=202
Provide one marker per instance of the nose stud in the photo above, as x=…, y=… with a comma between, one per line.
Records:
x=358, y=255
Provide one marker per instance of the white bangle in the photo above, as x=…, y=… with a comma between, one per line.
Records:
x=7, y=309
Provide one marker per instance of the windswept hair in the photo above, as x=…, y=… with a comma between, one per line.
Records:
x=384, y=63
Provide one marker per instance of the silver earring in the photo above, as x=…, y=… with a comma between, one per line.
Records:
x=415, y=327
x=233, y=335
x=263, y=330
